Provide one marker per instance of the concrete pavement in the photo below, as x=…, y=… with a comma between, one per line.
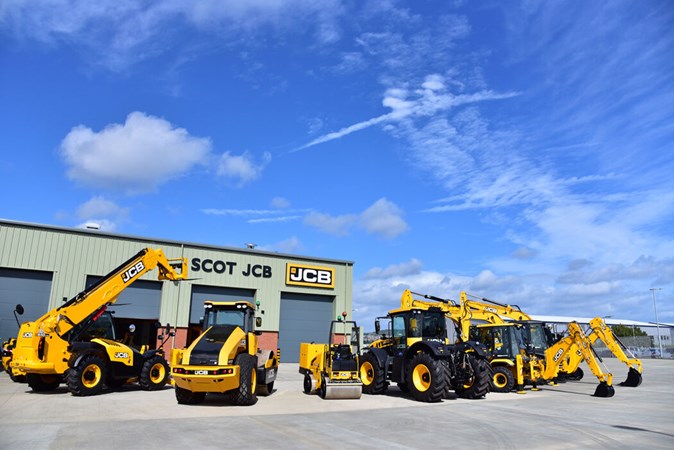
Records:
x=566, y=416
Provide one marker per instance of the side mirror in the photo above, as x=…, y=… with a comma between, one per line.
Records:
x=258, y=321
x=19, y=309
x=377, y=327
x=132, y=328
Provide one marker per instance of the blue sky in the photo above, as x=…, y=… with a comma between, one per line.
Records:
x=522, y=151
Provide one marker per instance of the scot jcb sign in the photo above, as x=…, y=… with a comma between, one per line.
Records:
x=301, y=275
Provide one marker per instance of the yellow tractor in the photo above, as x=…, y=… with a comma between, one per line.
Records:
x=75, y=343
x=331, y=370
x=225, y=358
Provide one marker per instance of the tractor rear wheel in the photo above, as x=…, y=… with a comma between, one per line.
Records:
x=87, y=377
x=426, y=378
x=372, y=375
x=478, y=384
x=244, y=395
x=154, y=374
x=187, y=397
x=503, y=379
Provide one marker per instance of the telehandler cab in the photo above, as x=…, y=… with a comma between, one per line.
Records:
x=331, y=370
x=415, y=353
x=75, y=343
x=225, y=358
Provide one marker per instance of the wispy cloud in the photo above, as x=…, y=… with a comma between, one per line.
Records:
x=430, y=99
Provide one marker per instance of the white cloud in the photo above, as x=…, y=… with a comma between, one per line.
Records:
x=105, y=213
x=383, y=218
x=241, y=168
x=411, y=267
x=335, y=225
x=280, y=202
x=119, y=33
x=290, y=245
x=133, y=157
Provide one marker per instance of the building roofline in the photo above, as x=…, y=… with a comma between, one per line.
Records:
x=83, y=231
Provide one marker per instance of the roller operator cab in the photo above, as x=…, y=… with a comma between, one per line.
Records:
x=225, y=358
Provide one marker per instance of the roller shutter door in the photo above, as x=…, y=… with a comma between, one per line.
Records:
x=29, y=288
x=215, y=293
x=304, y=318
x=141, y=300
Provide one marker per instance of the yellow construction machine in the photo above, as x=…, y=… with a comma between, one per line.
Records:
x=225, y=358
x=331, y=370
x=520, y=351
x=75, y=343
x=598, y=330
x=415, y=353
x=15, y=375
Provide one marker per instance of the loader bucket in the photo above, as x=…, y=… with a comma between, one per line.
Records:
x=633, y=378
x=604, y=390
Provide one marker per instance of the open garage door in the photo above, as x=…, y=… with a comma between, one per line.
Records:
x=304, y=318
x=31, y=289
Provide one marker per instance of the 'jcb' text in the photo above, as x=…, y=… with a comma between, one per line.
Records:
x=132, y=272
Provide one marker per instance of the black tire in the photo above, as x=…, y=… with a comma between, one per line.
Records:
x=479, y=382
x=323, y=389
x=154, y=374
x=15, y=378
x=244, y=395
x=187, y=397
x=372, y=375
x=306, y=384
x=265, y=389
x=42, y=383
x=426, y=378
x=502, y=379
x=87, y=378
x=576, y=375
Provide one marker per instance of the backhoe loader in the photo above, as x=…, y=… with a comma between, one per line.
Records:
x=225, y=358
x=331, y=370
x=415, y=353
x=519, y=351
x=75, y=343
x=598, y=330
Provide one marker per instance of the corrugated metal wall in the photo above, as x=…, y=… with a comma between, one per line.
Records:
x=72, y=254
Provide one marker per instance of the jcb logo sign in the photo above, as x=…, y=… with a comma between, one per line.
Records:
x=322, y=277
x=132, y=272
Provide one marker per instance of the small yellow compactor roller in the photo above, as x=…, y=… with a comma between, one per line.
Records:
x=331, y=370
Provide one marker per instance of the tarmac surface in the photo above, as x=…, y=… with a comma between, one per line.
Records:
x=563, y=417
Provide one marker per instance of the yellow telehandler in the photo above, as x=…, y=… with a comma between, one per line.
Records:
x=331, y=370
x=225, y=358
x=75, y=343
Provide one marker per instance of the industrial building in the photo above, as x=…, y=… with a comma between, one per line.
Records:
x=41, y=266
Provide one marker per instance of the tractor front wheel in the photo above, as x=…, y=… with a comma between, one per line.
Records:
x=372, y=375
x=426, y=378
x=478, y=383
